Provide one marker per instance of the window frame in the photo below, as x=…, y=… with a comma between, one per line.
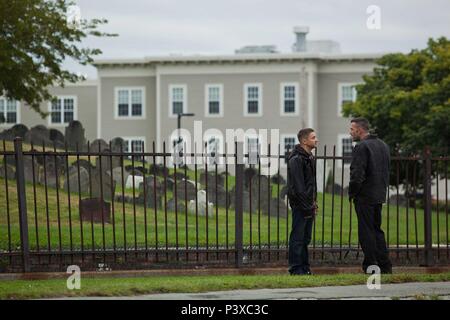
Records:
x=283, y=144
x=340, y=149
x=340, y=96
x=62, y=123
x=18, y=113
x=296, y=112
x=130, y=108
x=185, y=99
x=260, y=100
x=207, y=101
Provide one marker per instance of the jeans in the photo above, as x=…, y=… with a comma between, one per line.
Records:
x=299, y=240
x=371, y=237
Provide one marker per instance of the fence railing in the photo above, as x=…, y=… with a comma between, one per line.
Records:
x=99, y=207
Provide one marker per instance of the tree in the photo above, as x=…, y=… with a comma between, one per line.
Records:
x=407, y=99
x=36, y=37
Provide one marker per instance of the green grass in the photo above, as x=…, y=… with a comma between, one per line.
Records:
x=176, y=222
x=29, y=289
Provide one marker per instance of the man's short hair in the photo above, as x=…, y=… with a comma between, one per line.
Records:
x=304, y=134
x=362, y=123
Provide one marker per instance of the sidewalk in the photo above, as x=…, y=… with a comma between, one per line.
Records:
x=414, y=290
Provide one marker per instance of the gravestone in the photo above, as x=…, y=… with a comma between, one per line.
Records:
x=221, y=195
x=152, y=189
x=93, y=209
x=118, y=145
x=181, y=192
x=201, y=205
x=28, y=164
x=38, y=135
x=171, y=205
x=107, y=162
x=9, y=173
x=72, y=181
x=19, y=130
x=58, y=138
x=137, y=180
x=212, y=179
x=74, y=135
x=98, y=145
x=84, y=164
x=117, y=176
x=101, y=184
x=48, y=175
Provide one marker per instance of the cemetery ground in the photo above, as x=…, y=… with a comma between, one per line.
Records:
x=132, y=218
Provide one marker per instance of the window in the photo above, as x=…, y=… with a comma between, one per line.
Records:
x=134, y=144
x=345, y=147
x=177, y=98
x=253, y=100
x=289, y=99
x=213, y=107
x=347, y=93
x=63, y=110
x=130, y=103
x=289, y=142
x=9, y=113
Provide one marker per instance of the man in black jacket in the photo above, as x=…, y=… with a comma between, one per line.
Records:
x=302, y=194
x=369, y=180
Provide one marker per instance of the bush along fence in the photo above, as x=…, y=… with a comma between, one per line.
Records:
x=100, y=206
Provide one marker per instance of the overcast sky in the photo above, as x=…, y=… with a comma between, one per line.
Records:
x=161, y=27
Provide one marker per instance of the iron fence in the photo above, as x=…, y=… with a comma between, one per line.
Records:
x=143, y=210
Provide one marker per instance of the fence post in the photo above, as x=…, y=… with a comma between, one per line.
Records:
x=239, y=189
x=21, y=196
x=428, y=250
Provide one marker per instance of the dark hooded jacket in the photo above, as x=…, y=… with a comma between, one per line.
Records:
x=302, y=187
x=369, y=171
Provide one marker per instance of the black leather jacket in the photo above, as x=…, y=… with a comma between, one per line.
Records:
x=302, y=187
x=369, y=171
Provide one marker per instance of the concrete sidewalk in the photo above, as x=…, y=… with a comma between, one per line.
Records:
x=414, y=290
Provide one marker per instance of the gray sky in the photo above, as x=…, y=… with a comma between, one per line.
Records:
x=161, y=27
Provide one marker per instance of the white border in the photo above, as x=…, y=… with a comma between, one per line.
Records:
x=185, y=99
x=75, y=111
x=99, y=109
x=296, y=102
x=116, y=104
x=260, y=99
x=213, y=85
x=18, y=114
x=339, y=100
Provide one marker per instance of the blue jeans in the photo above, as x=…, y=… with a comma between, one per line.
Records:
x=299, y=240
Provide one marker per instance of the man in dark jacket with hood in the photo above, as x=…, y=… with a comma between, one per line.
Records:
x=302, y=194
x=369, y=180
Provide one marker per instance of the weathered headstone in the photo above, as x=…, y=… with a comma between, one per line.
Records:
x=185, y=190
x=49, y=175
x=101, y=184
x=9, y=172
x=117, y=176
x=73, y=179
x=74, y=135
x=118, y=145
x=137, y=180
x=171, y=205
x=58, y=138
x=19, y=130
x=98, y=145
x=221, y=195
x=38, y=135
x=153, y=189
x=28, y=164
x=94, y=210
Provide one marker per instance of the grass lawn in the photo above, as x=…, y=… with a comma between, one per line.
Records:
x=27, y=289
x=174, y=225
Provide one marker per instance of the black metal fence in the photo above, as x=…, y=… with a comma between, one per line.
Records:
x=141, y=210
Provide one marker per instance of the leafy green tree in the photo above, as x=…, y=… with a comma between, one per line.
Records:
x=407, y=99
x=36, y=36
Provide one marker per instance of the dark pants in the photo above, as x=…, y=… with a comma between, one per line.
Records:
x=299, y=240
x=371, y=237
